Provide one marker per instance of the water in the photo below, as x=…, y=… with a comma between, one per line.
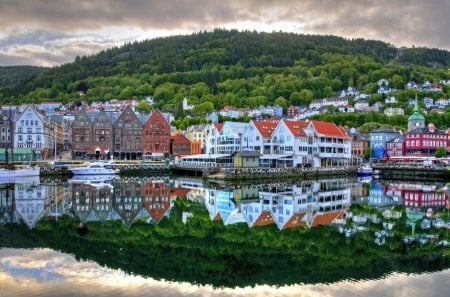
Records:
x=47, y=253
x=44, y=272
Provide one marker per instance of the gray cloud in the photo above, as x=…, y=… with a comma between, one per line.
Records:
x=50, y=32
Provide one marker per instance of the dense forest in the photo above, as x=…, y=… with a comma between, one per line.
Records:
x=244, y=69
x=12, y=76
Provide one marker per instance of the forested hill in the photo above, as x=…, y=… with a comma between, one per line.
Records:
x=15, y=75
x=215, y=57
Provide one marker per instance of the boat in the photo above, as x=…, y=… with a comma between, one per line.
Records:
x=364, y=170
x=12, y=173
x=95, y=168
x=96, y=181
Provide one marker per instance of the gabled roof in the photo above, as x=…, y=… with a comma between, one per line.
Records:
x=296, y=127
x=266, y=127
x=218, y=126
x=326, y=218
x=264, y=219
x=294, y=221
x=329, y=129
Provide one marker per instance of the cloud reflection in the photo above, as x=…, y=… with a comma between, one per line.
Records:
x=46, y=272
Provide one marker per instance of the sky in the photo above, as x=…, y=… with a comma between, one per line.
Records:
x=53, y=32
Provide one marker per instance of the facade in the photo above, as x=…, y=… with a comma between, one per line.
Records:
x=258, y=136
x=378, y=139
x=197, y=136
x=128, y=136
x=81, y=135
x=180, y=145
x=228, y=140
x=425, y=141
x=396, y=147
x=102, y=136
x=359, y=145
x=36, y=131
x=333, y=144
x=246, y=159
x=6, y=129
x=156, y=135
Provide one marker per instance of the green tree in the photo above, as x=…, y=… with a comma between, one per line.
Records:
x=441, y=152
x=143, y=107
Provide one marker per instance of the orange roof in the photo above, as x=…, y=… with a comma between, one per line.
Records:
x=179, y=192
x=218, y=217
x=329, y=129
x=266, y=127
x=296, y=127
x=295, y=221
x=326, y=218
x=264, y=219
x=218, y=126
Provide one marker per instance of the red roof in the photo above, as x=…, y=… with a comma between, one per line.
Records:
x=329, y=129
x=295, y=221
x=296, y=127
x=264, y=219
x=326, y=218
x=218, y=126
x=266, y=127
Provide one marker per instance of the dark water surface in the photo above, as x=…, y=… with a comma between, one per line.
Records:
x=44, y=272
x=305, y=238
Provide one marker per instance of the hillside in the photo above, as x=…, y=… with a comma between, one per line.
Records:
x=230, y=67
x=15, y=75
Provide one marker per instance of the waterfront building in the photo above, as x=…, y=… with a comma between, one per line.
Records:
x=36, y=131
x=360, y=143
x=156, y=135
x=180, y=145
x=197, y=136
x=378, y=139
x=81, y=135
x=128, y=136
x=396, y=147
x=6, y=129
x=102, y=136
x=227, y=140
x=259, y=134
x=425, y=141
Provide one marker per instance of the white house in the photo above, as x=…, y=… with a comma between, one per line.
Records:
x=259, y=134
x=361, y=105
x=36, y=131
x=390, y=111
x=228, y=139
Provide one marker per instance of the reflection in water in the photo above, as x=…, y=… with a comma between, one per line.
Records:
x=44, y=272
x=204, y=251
x=302, y=204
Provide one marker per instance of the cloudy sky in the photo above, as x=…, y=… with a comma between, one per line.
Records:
x=53, y=32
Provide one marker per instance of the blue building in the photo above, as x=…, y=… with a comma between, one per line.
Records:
x=378, y=139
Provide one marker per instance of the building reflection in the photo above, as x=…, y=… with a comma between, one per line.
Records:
x=302, y=204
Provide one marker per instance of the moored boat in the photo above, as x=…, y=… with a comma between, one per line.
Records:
x=365, y=170
x=95, y=168
x=10, y=174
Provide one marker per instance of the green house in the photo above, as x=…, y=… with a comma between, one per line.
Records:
x=20, y=155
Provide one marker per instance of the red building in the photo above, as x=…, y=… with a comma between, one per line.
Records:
x=426, y=196
x=395, y=147
x=180, y=145
x=157, y=135
x=425, y=141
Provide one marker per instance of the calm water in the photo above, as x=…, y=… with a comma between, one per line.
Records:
x=46, y=272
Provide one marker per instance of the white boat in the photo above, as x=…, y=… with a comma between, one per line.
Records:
x=96, y=181
x=95, y=168
x=365, y=170
x=11, y=174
